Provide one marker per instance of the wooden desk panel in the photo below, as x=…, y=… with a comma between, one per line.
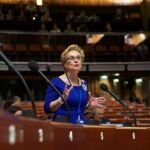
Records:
x=133, y=138
x=38, y=134
x=68, y=136
x=99, y=137
x=11, y=137
x=28, y=133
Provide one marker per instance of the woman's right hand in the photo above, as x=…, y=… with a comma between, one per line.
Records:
x=54, y=105
x=66, y=92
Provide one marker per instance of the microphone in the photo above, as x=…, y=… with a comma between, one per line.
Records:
x=34, y=67
x=10, y=65
x=104, y=87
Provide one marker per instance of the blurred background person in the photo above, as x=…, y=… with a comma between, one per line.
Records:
x=13, y=106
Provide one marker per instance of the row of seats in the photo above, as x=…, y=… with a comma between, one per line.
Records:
x=116, y=114
x=23, y=52
x=45, y=52
x=39, y=109
x=49, y=47
x=97, y=47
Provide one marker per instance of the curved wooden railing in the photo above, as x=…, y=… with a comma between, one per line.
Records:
x=26, y=134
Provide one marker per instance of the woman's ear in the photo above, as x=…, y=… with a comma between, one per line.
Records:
x=65, y=66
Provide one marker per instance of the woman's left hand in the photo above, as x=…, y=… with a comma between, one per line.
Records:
x=96, y=101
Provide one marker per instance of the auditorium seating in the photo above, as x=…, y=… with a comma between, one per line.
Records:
x=39, y=108
x=116, y=114
x=8, y=47
x=111, y=47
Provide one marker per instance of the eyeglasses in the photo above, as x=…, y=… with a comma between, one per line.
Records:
x=72, y=58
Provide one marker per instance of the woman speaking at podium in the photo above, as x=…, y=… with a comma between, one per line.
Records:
x=73, y=89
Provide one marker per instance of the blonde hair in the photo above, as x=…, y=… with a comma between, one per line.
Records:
x=73, y=47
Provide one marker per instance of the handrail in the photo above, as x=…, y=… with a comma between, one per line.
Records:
x=23, y=66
